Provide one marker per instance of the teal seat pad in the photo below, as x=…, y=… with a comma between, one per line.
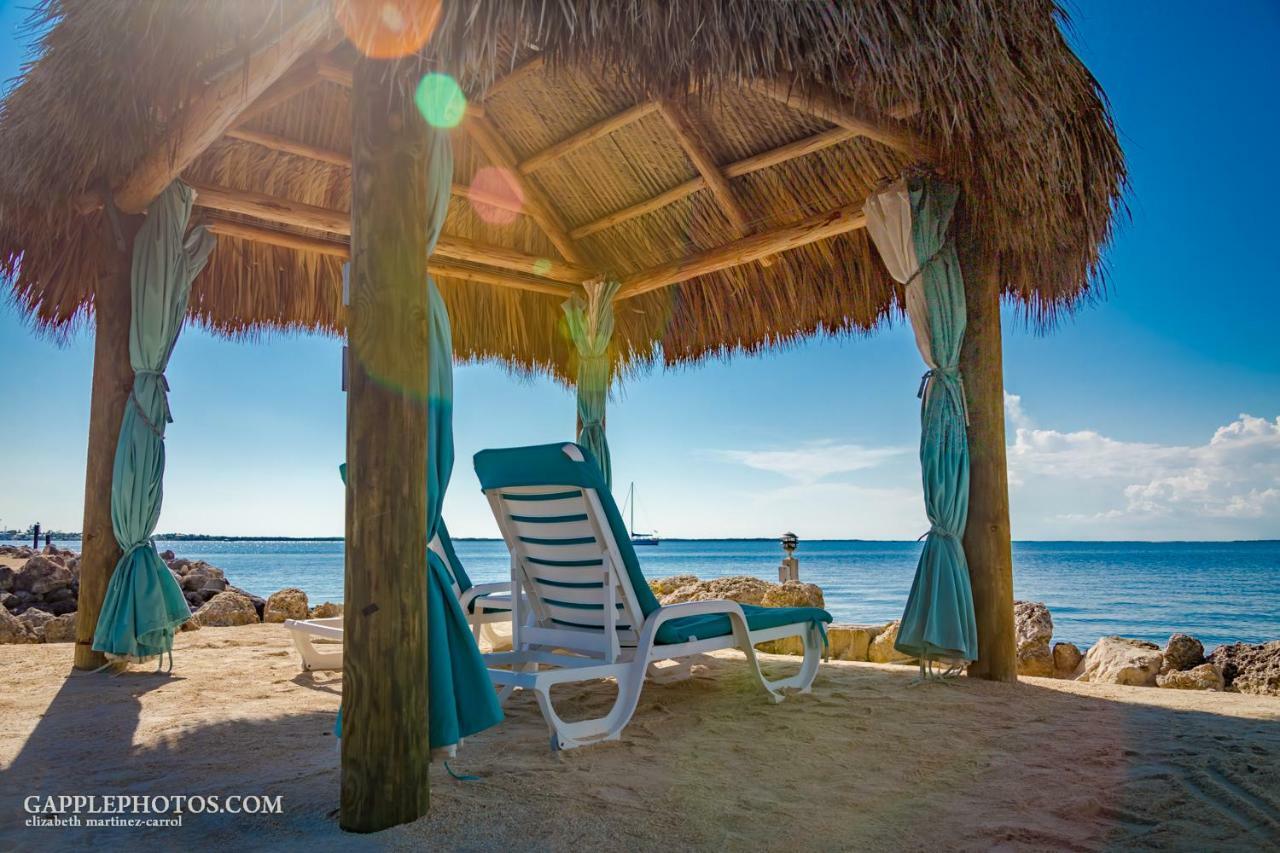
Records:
x=704, y=627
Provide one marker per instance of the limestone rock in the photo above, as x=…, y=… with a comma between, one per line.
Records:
x=783, y=646
x=14, y=630
x=197, y=575
x=743, y=589
x=1182, y=652
x=167, y=556
x=1206, y=676
x=327, y=610
x=1033, y=628
x=42, y=574
x=851, y=642
x=793, y=594
x=1117, y=660
x=61, y=629
x=190, y=625
x=9, y=601
x=665, y=586
x=6, y=578
x=882, y=650
x=226, y=609
x=288, y=603
x=1066, y=659
x=1250, y=668
x=36, y=619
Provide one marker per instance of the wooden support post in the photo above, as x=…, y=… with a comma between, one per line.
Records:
x=112, y=381
x=385, y=744
x=987, y=537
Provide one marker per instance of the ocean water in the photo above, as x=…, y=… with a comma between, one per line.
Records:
x=1219, y=591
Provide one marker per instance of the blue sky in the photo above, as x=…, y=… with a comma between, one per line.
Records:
x=1154, y=414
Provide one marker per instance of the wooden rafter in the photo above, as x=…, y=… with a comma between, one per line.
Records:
x=300, y=78
x=536, y=204
x=337, y=248
x=825, y=104
x=686, y=133
x=754, y=163
x=586, y=136
x=275, y=142
x=337, y=71
x=299, y=215
x=748, y=249
x=216, y=108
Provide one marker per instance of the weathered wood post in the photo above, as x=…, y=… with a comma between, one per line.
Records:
x=987, y=538
x=112, y=381
x=385, y=743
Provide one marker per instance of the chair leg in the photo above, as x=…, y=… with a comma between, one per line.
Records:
x=801, y=681
x=565, y=735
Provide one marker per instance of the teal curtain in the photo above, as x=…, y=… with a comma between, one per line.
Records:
x=590, y=323
x=144, y=604
x=910, y=223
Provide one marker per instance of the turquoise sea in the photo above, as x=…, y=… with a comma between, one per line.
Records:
x=1219, y=591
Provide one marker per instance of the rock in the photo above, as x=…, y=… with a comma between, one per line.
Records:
x=743, y=589
x=1250, y=668
x=167, y=556
x=783, y=646
x=6, y=578
x=189, y=625
x=1033, y=628
x=61, y=608
x=9, y=600
x=851, y=642
x=327, y=610
x=288, y=603
x=60, y=594
x=14, y=630
x=1182, y=652
x=882, y=650
x=35, y=617
x=227, y=609
x=41, y=575
x=665, y=586
x=1117, y=660
x=1066, y=659
x=793, y=594
x=212, y=587
x=197, y=575
x=1035, y=661
x=1206, y=676
x=180, y=566
x=61, y=630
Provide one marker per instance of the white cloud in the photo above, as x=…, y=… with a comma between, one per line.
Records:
x=1065, y=484
x=1225, y=487
x=815, y=460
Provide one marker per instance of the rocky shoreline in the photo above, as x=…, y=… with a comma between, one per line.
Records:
x=39, y=598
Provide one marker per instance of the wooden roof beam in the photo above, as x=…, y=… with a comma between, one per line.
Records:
x=686, y=133
x=338, y=248
x=821, y=102
x=754, y=163
x=296, y=214
x=216, y=108
x=586, y=136
x=275, y=142
x=809, y=230
x=342, y=73
x=536, y=204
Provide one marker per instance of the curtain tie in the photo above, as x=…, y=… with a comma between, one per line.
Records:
x=931, y=373
x=147, y=372
x=938, y=531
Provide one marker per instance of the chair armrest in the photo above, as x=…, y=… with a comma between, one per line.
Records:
x=482, y=589
x=717, y=606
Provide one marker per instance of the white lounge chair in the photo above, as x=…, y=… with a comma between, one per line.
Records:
x=319, y=641
x=583, y=609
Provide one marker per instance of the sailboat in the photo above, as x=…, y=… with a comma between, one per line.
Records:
x=637, y=538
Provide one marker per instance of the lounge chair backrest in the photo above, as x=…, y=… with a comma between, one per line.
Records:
x=554, y=513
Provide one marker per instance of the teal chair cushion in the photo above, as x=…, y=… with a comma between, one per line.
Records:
x=689, y=628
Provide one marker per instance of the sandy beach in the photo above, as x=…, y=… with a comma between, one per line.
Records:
x=864, y=762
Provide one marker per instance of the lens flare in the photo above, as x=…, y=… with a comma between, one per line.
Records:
x=440, y=100
x=496, y=196
x=542, y=266
x=388, y=29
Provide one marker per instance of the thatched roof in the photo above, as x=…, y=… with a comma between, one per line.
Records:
x=986, y=91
